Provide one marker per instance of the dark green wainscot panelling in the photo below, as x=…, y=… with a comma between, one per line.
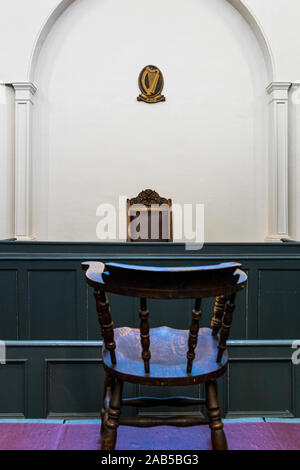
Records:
x=65, y=380
x=44, y=297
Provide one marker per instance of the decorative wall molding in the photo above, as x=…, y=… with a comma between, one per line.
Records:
x=48, y=380
x=54, y=15
x=24, y=93
x=278, y=161
x=279, y=86
x=239, y=5
x=259, y=33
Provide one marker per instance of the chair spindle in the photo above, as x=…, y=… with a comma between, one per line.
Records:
x=216, y=322
x=145, y=335
x=226, y=325
x=106, y=323
x=193, y=336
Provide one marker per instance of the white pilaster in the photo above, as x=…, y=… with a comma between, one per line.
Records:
x=294, y=163
x=278, y=161
x=7, y=184
x=24, y=93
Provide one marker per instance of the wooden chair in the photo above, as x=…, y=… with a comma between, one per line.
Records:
x=176, y=357
x=154, y=213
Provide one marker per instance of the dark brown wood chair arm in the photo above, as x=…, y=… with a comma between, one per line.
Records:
x=93, y=272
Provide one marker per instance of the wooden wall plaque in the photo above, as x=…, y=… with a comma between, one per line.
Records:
x=151, y=83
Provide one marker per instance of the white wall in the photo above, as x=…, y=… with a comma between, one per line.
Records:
x=94, y=141
x=6, y=162
x=278, y=19
x=221, y=138
x=20, y=24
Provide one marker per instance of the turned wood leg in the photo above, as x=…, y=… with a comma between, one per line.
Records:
x=109, y=435
x=219, y=308
x=107, y=393
x=214, y=415
x=226, y=325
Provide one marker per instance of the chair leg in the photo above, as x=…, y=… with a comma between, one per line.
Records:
x=214, y=415
x=109, y=435
x=107, y=393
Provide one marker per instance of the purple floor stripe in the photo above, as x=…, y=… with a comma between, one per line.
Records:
x=240, y=436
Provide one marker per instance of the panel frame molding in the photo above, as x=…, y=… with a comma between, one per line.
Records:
x=259, y=290
x=47, y=363
x=41, y=354
x=260, y=413
x=28, y=298
x=25, y=364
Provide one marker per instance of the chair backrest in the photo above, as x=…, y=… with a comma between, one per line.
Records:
x=149, y=218
x=222, y=281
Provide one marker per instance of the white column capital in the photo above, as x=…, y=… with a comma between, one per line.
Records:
x=24, y=91
x=295, y=93
x=279, y=91
x=278, y=86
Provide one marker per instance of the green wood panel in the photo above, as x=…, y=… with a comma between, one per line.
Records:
x=279, y=303
x=260, y=387
x=66, y=380
x=14, y=388
x=172, y=313
x=8, y=304
x=43, y=295
x=52, y=304
x=73, y=387
x=261, y=380
x=296, y=370
x=52, y=300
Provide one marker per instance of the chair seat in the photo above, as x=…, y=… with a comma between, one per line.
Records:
x=168, y=357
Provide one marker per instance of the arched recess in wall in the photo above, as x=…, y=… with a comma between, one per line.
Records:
x=240, y=127
x=237, y=4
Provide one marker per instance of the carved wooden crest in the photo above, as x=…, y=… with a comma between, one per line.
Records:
x=149, y=197
x=151, y=83
x=149, y=218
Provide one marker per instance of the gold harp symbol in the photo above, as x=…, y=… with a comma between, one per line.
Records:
x=153, y=77
x=151, y=83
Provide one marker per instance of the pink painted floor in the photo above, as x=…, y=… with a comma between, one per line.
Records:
x=58, y=436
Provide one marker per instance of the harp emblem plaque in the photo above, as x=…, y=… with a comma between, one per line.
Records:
x=151, y=83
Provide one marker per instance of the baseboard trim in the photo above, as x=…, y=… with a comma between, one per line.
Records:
x=99, y=344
